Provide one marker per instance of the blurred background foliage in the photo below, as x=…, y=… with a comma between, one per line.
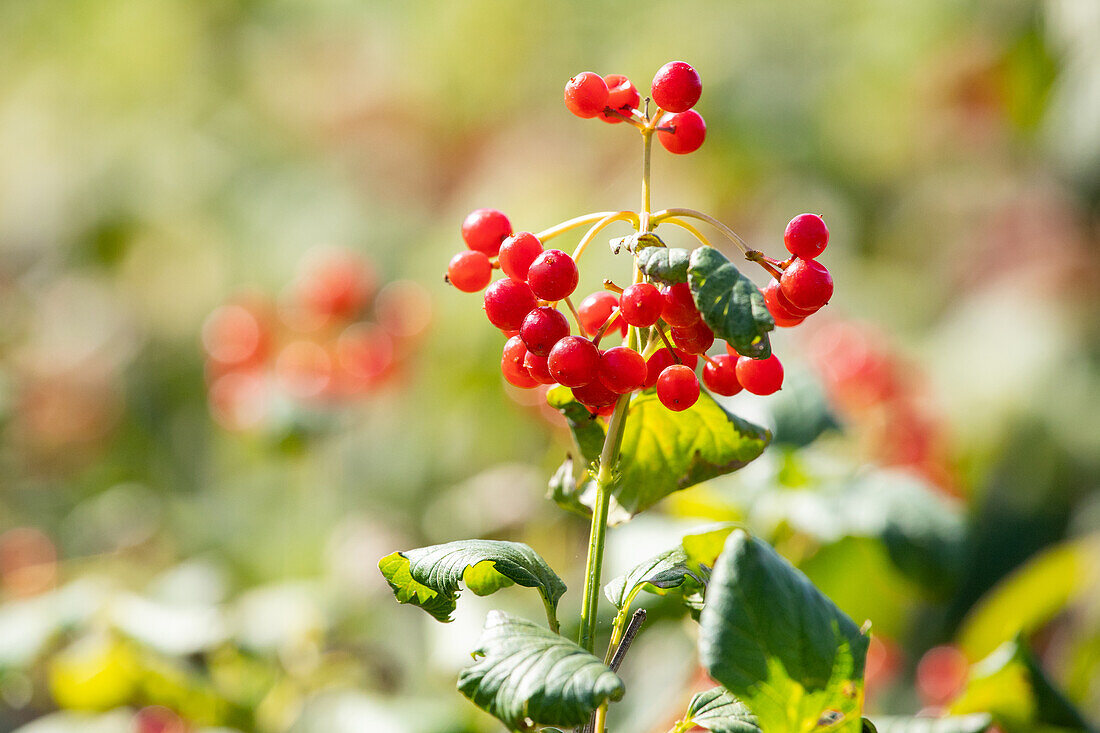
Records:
x=179, y=552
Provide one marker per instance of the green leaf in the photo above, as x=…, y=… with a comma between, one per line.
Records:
x=665, y=451
x=954, y=724
x=683, y=570
x=800, y=410
x=1032, y=595
x=587, y=433
x=730, y=303
x=719, y=711
x=526, y=676
x=429, y=577
x=667, y=265
x=1012, y=686
x=771, y=638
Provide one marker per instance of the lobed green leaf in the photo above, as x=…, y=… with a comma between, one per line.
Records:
x=719, y=711
x=526, y=675
x=730, y=303
x=978, y=723
x=668, y=265
x=784, y=649
x=430, y=577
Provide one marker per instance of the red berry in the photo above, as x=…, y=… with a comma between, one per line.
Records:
x=553, y=275
x=760, y=376
x=688, y=131
x=485, y=229
x=542, y=328
x=679, y=309
x=641, y=304
x=720, y=375
x=622, y=97
x=336, y=285
x=941, y=674
x=806, y=284
x=676, y=87
x=507, y=303
x=806, y=236
x=574, y=361
x=594, y=395
x=774, y=300
x=511, y=364
x=693, y=339
x=586, y=94
x=470, y=271
x=517, y=253
x=677, y=387
x=236, y=335
x=596, y=309
x=664, y=358
x=538, y=368
x=622, y=370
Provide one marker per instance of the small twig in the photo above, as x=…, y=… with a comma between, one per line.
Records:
x=576, y=315
x=606, y=325
x=772, y=266
x=608, y=284
x=668, y=344
x=626, y=118
x=632, y=630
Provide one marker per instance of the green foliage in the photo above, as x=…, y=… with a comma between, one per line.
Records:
x=778, y=644
x=429, y=577
x=683, y=570
x=664, y=451
x=1012, y=686
x=730, y=303
x=526, y=675
x=667, y=265
x=719, y=711
x=951, y=724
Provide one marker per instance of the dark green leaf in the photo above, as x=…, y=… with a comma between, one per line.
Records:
x=719, y=711
x=526, y=676
x=955, y=724
x=800, y=410
x=429, y=577
x=730, y=304
x=662, y=452
x=1011, y=685
x=667, y=265
x=771, y=638
x=587, y=433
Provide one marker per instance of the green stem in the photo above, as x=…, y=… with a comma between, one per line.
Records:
x=593, y=569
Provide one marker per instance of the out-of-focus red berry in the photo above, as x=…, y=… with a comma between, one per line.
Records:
x=941, y=674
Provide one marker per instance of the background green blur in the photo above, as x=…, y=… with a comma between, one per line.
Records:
x=160, y=157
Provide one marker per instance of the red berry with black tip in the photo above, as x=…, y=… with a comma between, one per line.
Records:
x=507, y=303
x=538, y=368
x=517, y=253
x=676, y=87
x=662, y=358
x=586, y=94
x=594, y=395
x=542, y=328
x=622, y=96
x=807, y=284
x=485, y=229
x=553, y=275
x=595, y=309
x=622, y=370
x=693, y=339
x=641, y=304
x=470, y=271
x=806, y=236
x=679, y=309
x=686, y=134
x=760, y=376
x=574, y=361
x=720, y=375
x=511, y=364
x=677, y=388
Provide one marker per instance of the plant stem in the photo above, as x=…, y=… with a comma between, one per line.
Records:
x=691, y=229
x=570, y=224
x=693, y=214
x=611, y=218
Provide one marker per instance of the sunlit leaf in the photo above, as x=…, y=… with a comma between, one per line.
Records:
x=526, y=675
x=784, y=649
x=719, y=711
x=667, y=265
x=730, y=303
x=429, y=577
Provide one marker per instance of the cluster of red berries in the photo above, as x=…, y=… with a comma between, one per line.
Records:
x=541, y=348
x=335, y=334
x=613, y=98
x=801, y=285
